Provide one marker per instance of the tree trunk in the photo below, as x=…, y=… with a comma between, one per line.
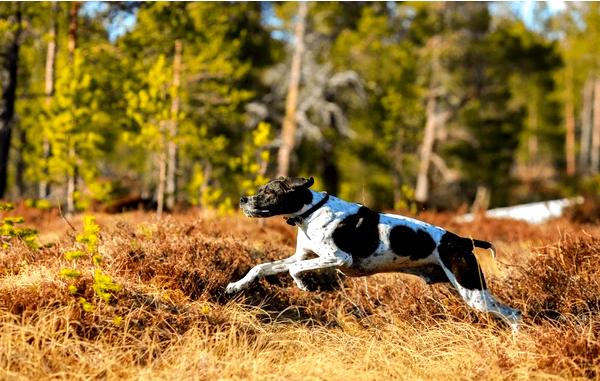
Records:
x=71, y=182
x=397, y=155
x=288, y=131
x=20, y=164
x=595, y=156
x=171, y=186
x=71, y=46
x=533, y=130
x=7, y=102
x=72, y=39
x=330, y=173
x=482, y=200
x=160, y=191
x=422, y=188
x=44, y=186
x=570, y=126
x=586, y=126
x=206, y=177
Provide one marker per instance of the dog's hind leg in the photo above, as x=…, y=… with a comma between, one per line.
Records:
x=478, y=296
x=462, y=269
x=484, y=301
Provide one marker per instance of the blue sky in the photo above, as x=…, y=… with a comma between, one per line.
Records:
x=526, y=9
x=523, y=9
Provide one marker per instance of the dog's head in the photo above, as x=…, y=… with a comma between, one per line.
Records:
x=281, y=196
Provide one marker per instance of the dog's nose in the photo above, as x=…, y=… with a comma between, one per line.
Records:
x=243, y=200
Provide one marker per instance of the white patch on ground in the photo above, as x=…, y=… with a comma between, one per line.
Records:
x=534, y=213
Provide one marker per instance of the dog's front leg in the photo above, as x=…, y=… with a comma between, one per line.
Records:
x=271, y=268
x=336, y=260
x=259, y=271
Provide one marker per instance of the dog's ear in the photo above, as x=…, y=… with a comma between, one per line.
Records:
x=300, y=182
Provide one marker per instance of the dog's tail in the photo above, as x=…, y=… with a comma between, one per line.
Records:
x=485, y=245
x=488, y=261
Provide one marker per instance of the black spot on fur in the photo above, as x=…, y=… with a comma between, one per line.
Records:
x=457, y=255
x=294, y=201
x=358, y=234
x=406, y=242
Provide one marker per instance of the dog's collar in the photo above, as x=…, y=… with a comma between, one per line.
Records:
x=297, y=220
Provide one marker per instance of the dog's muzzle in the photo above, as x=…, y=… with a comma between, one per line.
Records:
x=251, y=211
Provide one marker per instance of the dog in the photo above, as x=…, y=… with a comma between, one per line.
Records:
x=359, y=241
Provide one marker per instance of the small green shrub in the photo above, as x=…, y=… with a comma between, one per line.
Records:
x=10, y=231
x=86, y=253
x=40, y=204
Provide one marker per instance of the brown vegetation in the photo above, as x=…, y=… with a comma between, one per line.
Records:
x=172, y=318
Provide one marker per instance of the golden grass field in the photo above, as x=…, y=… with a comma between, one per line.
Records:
x=171, y=320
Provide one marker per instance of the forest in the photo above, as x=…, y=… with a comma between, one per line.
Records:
x=129, y=131
x=395, y=105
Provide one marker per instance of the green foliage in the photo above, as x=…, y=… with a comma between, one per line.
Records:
x=85, y=305
x=104, y=286
x=150, y=108
x=74, y=254
x=86, y=253
x=89, y=237
x=70, y=274
x=6, y=206
x=40, y=204
x=10, y=231
x=502, y=83
x=252, y=164
x=390, y=125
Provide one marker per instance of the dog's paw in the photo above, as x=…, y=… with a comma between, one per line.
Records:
x=232, y=288
x=301, y=285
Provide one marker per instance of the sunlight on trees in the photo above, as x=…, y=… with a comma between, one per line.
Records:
x=390, y=104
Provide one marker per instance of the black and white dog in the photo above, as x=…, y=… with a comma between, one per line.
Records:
x=359, y=241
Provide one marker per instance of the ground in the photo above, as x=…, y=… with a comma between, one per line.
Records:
x=172, y=320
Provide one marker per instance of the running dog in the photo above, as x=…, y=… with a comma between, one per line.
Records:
x=359, y=241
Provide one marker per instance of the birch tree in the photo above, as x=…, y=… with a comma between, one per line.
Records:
x=172, y=146
x=288, y=130
x=49, y=79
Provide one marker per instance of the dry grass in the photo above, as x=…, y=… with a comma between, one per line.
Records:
x=172, y=320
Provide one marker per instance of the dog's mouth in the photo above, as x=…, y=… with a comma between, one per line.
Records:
x=250, y=212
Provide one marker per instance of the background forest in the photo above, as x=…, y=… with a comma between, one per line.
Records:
x=390, y=104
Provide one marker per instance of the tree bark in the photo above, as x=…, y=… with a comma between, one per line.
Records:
x=20, y=188
x=330, y=173
x=71, y=182
x=7, y=102
x=397, y=155
x=49, y=78
x=586, y=127
x=422, y=187
x=570, y=125
x=533, y=130
x=288, y=131
x=72, y=38
x=595, y=156
x=160, y=191
x=71, y=46
x=171, y=187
